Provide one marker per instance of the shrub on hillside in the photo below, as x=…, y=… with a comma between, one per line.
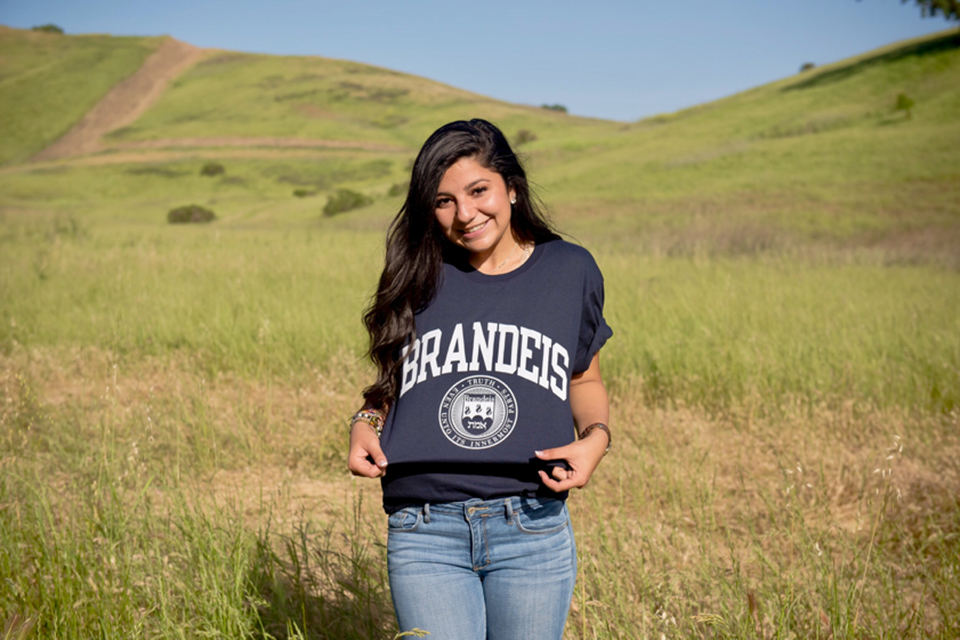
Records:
x=190, y=213
x=904, y=103
x=212, y=169
x=163, y=171
x=345, y=200
x=304, y=193
x=398, y=189
x=524, y=136
x=48, y=28
x=806, y=66
x=555, y=107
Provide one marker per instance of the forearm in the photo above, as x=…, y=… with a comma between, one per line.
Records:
x=589, y=403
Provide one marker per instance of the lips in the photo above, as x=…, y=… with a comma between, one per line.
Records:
x=475, y=230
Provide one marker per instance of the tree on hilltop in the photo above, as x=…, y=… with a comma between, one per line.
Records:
x=930, y=8
x=48, y=28
x=950, y=9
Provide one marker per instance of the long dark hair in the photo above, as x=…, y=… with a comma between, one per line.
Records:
x=416, y=248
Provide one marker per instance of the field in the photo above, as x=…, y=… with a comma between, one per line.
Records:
x=782, y=275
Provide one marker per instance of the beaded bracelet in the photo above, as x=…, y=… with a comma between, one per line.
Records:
x=597, y=425
x=373, y=417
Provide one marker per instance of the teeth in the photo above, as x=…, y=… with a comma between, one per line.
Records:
x=476, y=228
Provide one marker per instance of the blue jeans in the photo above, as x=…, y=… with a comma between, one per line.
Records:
x=497, y=569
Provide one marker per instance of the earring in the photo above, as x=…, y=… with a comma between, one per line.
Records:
x=513, y=201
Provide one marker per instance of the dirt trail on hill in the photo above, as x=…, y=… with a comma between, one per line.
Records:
x=125, y=102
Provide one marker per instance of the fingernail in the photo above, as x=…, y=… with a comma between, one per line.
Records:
x=382, y=463
x=539, y=453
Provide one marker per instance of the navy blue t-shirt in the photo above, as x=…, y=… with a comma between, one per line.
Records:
x=487, y=381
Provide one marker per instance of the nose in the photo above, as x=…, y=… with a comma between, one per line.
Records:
x=464, y=212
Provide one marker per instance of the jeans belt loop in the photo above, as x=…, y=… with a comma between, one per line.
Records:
x=509, y=504
x=426, y=512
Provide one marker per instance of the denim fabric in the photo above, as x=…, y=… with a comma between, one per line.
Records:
x=483, y=570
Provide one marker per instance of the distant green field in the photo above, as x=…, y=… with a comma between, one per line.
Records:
x=48, y=81
x=248, y=297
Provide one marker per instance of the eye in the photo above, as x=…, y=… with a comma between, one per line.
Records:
x=443, y=201
x=478, y=191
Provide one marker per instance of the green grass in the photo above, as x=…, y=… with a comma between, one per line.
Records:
x=711, y=332
x=240, y=299
x=720, y=333
x=48, y=81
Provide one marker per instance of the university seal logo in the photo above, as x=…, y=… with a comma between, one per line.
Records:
x=478, y=412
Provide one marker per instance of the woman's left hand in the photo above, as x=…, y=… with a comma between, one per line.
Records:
x=582, y=456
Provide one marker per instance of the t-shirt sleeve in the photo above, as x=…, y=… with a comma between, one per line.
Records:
x=594, y=330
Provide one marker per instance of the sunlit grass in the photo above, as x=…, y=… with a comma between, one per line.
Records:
x=709, y=332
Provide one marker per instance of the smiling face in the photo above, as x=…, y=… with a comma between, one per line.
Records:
x=473, y=209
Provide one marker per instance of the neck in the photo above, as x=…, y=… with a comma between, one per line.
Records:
x=513, y=254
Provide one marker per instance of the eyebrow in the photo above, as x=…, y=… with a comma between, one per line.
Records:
x=468, y=187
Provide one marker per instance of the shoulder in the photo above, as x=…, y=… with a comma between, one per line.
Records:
x=570, y=255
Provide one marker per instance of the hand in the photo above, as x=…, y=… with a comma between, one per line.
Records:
x=582, y=457
x=365, y=445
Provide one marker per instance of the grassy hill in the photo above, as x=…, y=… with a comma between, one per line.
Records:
x=237, y=95
x=820, y=157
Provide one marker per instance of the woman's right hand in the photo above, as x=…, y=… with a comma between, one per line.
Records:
x=364, y=447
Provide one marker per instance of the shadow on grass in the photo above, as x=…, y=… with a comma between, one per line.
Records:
x=939, y=45
x=323, y=584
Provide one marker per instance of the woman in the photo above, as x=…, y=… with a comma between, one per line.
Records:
x=486, y=330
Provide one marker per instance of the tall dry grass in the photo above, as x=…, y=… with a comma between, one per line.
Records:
x=153, y=500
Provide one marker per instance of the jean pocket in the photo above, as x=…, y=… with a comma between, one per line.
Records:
x=404, y=520
x=542, y=518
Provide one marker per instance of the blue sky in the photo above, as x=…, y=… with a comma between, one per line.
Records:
x=618, y=60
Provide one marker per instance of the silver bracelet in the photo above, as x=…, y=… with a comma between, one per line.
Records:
x=597, y=425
